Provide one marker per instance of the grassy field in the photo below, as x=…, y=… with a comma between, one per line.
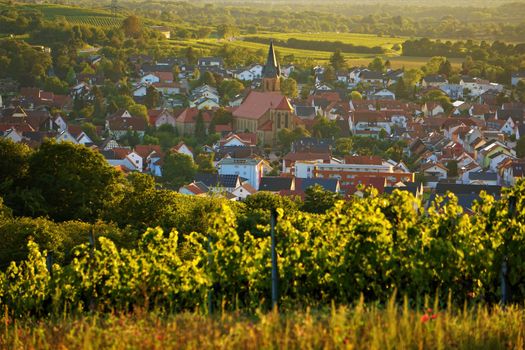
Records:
x=361, y=327
x=368, y=40
x=353, y=59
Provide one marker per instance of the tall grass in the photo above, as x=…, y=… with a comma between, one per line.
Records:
x=362, y=326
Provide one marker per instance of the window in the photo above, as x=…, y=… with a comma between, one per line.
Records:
x=286, y=121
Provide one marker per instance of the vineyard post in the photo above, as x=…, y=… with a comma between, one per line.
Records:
x=49, y=263
x=273, y=221
x=210, y=290
x=504, y=264
x=91, y=257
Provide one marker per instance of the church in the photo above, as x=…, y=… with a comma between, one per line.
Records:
x=267, y=111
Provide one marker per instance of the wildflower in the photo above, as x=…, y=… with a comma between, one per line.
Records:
x=433, y=317
x=425, y=318
x=429, y=311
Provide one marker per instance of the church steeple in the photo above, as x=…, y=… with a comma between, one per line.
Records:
x=271, y=72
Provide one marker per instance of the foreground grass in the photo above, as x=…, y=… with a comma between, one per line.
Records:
x=360, y=327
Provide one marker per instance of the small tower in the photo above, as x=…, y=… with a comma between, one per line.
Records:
x=271, y=72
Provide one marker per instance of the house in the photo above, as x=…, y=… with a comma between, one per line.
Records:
x=434, y=169
x=194, y=189
x=79, y=135
x=465, y=193
x=372, y=78
x=517, y=77
x=375, y=121
x=476, y=86
x=152, y=158
x=124, y=157
x=243, y=139
x=243, y=191
x=205, y=62
x=167, y=88
x=432, y=109
x=158, y=117
x=454, y=91
x=183, y=149
x=185, y=120
x=276, y=184
x=415, y=188
x=347, y=173
x=204, y=92
x=288, y=162
x=433, y=81
x=219, y=183
x=481, y=178
x=250, y=169
x=305, y=112
x=383, y=94
x=484, y=152
x=11, y=134
x=121, y=122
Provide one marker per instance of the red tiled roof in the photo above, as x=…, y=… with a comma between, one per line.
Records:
x=188, y=115
x=368, y=160
x=223, y=128
x=145, y=150
x=368, y=116
x=378, y=182
x=258, y=103
x=133, y=123
x=164, y=76
x=268, y=126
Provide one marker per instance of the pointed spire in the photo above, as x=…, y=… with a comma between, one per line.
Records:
x=271, y=68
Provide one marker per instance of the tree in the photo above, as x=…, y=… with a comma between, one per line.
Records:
x=520, y=147
x=337, y=60
x=401, y=89
x=152, y=97
x=356, y=96
x=176, y=72
x=178, y=169
x=75, y=182
x=382, y=134
x=227, y=31
x=200, y=127
x=91, y=131
x=191, y=56
x=289, y=88
x=343, y=146
x=445, y=68
x=207, y=78
x=324, y=128
x=377, y=65
x=228, y=89
x=329, y=75
x=132, y=27
x=203, y=32
x=205, y=163
x=138, y=110
x=318, y=200
x=14, y=162
x=452, y=168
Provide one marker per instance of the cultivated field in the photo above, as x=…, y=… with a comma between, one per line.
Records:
x=76, y=15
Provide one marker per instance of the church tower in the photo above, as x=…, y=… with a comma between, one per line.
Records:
x=271, y=72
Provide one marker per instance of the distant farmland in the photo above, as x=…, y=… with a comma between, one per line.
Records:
x=76, y=15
